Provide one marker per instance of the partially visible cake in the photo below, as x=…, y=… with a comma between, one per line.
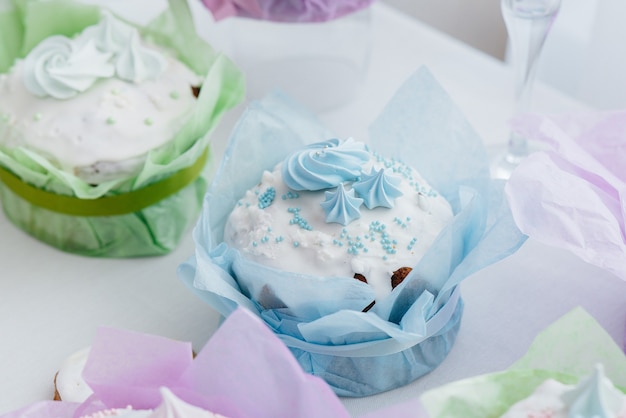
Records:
x=96, y=104
x=593, y=397
x=70, y=386
x=336, y=208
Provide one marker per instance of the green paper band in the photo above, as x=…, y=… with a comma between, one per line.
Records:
x=121, y=204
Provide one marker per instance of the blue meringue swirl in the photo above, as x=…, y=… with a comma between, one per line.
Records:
x=595, y=396
x=324, y=165
x=378, y=188
x=341, y=207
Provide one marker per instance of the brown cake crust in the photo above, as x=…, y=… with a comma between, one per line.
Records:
x=399, y=275
x=360, y=277
x=57, y=395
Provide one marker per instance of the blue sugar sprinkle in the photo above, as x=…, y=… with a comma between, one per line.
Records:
x=298, y=220
x=267, y=197
x=290, y=195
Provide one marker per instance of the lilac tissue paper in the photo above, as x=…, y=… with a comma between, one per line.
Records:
x=573, y=194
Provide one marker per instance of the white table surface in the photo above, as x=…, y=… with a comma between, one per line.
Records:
x=51, y=302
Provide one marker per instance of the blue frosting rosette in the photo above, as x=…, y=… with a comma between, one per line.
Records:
x=406, y=334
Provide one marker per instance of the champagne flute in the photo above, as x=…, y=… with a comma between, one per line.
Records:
x=528, y=23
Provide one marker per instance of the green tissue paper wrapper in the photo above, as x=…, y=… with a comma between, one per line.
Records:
x=566, y=351
x=157, y=229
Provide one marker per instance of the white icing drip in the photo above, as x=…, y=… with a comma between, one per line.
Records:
x=265, y=235
x=69, y=381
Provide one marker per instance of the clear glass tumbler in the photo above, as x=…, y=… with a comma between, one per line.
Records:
x=322, y=65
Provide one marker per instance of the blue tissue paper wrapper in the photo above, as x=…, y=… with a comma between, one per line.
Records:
x=406, y=334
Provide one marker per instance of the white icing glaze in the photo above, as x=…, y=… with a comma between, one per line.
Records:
x=267, y=237
x=69, y=380
x=104, y=132
x=171, y=407
x=547, y=402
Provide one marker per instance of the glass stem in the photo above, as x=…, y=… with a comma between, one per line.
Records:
x=526, y=43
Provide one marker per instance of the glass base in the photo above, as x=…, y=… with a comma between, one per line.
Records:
x=502, y=162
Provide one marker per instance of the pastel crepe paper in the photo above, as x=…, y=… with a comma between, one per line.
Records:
x=285, y=11
x=320, y=318
x=566, y=351
x=158, y=228
x=573, y=195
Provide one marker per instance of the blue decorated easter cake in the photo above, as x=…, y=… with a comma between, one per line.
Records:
x=337, y=208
